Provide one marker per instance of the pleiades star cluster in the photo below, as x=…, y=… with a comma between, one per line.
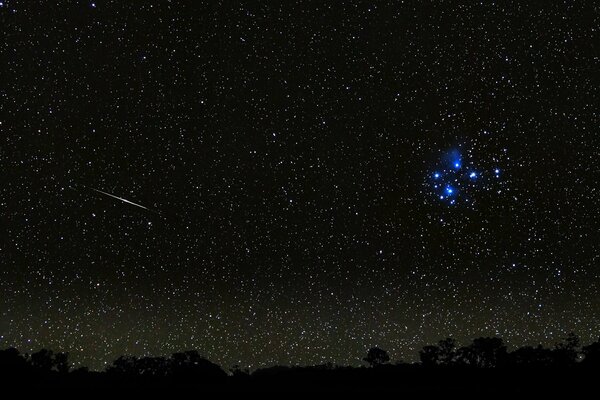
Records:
x=457, y=181
x=295, y=182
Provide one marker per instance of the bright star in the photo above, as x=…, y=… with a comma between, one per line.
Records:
x=473, y=175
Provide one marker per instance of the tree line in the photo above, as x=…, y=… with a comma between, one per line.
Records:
x=485, y=357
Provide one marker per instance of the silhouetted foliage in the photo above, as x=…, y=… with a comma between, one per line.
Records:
x=531, y=357
x=238, y=372
x=442, y=354
x=591, y=354
x=61, y=362
x=13, y=363
x=485, y=365
x=567, y=352
x=186, y=366
x=123, y=366
x=42, y=360
x=376, y=356
x=46, y=360
x=483, y=353
x=190, y=364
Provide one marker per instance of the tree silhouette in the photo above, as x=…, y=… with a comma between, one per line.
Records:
x=429, y=355
x=190, y=365
x=566, y=353
x=591, y=354
x=47, y=361
x=239, y=372
x=123, y=366
x=524, y=367
x=13, y=363
x=483, y=353
x=61, y=363
x=42, y=360
x=152, y=367
x=442, y=354
x=376, y=356
x=531, y=357
x=447, y=350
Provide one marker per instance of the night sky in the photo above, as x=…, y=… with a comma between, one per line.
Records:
x=295, y=182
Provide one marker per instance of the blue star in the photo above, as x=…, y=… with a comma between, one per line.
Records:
x=455, y=159
x=453, y=182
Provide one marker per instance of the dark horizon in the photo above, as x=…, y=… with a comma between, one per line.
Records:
x=483, y=366
x=408, y=359
x=483, y=352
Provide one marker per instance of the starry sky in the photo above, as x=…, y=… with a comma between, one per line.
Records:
x=303, y=179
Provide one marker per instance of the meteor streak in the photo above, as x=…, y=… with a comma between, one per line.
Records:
x=124, y=200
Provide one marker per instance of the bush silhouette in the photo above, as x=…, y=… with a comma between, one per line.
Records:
x=566, y=353
x=48, y=361
x=531, y=357
x=483, y=353
x=442, y=354
x=591, y=354
x=376, y=356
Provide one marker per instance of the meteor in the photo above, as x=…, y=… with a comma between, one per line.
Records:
x=123, y=200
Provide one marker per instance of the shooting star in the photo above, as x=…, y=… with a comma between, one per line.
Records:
x=123, y=200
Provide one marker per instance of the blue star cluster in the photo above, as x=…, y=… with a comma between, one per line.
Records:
x=458, y=180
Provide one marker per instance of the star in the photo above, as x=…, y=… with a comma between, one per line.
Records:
x=471, y=183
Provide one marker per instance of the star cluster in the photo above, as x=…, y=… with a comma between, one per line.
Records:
x=284, y=157
x=457, y=181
